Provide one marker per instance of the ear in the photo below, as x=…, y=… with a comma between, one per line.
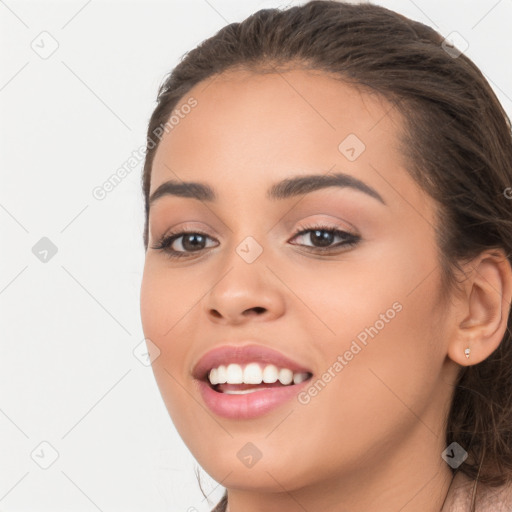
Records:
x=482, y=310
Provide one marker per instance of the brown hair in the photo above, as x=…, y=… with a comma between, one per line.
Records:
x=456, y=140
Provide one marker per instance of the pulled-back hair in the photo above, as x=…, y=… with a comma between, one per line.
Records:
x=456, y=140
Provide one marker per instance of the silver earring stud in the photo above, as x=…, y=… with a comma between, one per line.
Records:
x=466, y=352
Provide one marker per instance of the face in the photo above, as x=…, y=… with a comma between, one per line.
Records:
x=342, y=280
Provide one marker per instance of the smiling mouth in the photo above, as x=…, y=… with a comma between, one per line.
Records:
x=248, y=382
x=244, y=389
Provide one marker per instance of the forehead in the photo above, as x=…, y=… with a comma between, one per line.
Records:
x=260, y=127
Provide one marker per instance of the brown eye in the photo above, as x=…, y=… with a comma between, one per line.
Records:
x=322, y=237
x=182, y=243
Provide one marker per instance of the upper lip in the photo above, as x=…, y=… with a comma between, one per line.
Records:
x=241, y=354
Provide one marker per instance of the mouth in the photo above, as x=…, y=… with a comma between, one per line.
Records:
x=237, y=379
x=243, y=382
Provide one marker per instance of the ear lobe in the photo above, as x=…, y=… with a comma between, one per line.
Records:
x=484, y=307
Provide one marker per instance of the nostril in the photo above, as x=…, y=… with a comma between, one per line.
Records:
x=256, y=309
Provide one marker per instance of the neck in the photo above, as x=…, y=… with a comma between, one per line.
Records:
x=421, y=484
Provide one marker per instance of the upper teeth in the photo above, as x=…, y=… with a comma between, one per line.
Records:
x=253, y=373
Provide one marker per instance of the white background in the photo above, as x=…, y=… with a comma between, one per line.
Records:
x=69, y=326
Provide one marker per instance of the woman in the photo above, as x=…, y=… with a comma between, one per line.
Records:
x=327, y=274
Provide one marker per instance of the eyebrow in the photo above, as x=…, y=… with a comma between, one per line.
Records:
x=289, y=187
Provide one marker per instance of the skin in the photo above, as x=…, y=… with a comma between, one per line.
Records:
x=372, y=438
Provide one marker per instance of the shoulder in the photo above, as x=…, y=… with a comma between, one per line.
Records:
x=488, y=499
x=495, y=499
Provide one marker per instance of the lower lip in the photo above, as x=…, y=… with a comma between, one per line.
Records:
x=250, y=405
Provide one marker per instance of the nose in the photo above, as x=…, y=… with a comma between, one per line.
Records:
x=244, y=292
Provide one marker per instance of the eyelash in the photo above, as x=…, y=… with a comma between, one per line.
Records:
x=166, y=241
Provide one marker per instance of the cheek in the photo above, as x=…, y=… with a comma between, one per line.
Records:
x=383, y=322
x=371, y=402
x=390, y=362
x=154, y=306
x=165, y=298
x=165, y=304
